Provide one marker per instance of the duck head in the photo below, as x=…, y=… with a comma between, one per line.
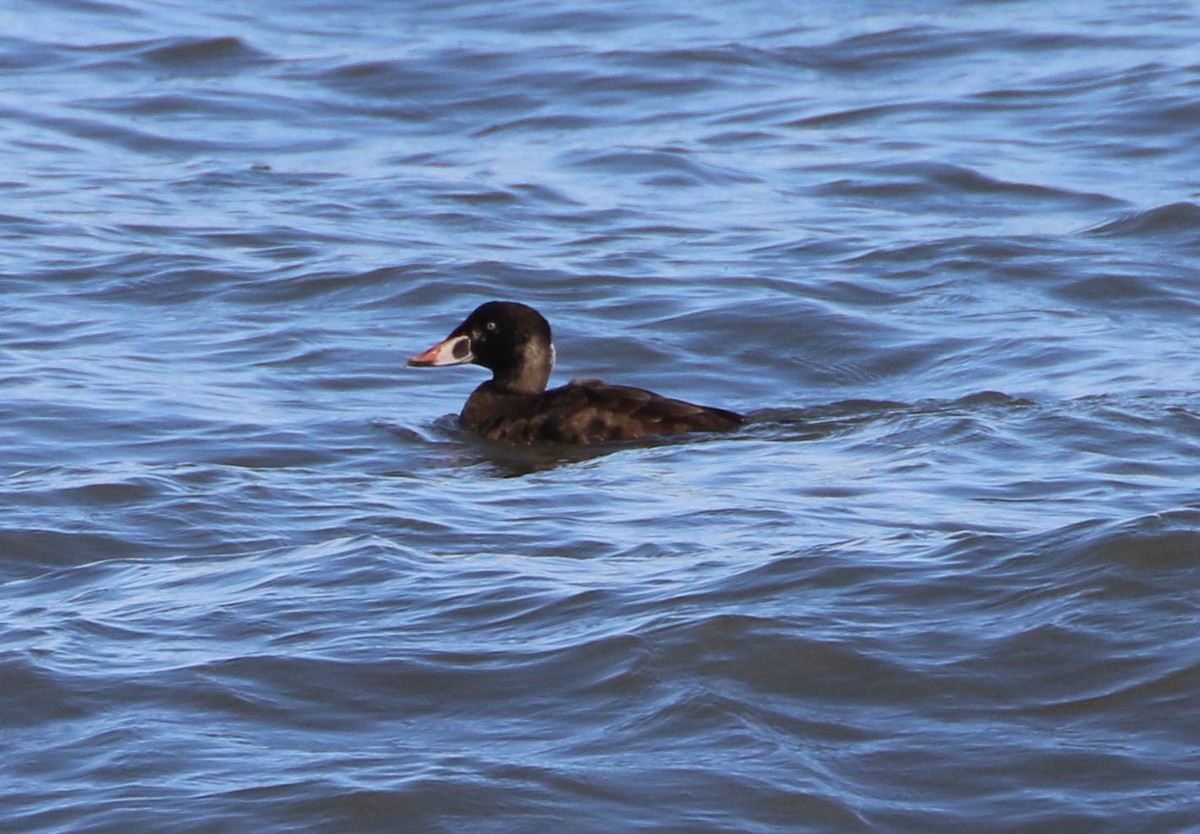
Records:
x=510, y=339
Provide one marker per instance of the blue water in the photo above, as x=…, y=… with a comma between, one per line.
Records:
x=253, y=577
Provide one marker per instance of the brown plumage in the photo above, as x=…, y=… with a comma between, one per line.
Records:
x=514, y=407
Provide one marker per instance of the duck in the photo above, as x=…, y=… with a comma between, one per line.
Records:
x=514, y=407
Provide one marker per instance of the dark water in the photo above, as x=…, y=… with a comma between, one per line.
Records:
x=253, y=578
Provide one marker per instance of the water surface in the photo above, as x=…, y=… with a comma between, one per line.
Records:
x=253, y=576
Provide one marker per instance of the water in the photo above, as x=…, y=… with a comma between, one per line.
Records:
x=253, y=577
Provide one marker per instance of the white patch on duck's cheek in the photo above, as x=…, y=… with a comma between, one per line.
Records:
x=553, y=356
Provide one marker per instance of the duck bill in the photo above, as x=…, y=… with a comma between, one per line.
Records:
x=454, y=351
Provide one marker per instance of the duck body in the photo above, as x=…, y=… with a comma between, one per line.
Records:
x=585, y=411
x=515, y=408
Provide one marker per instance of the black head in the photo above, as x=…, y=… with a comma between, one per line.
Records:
x=512, y=340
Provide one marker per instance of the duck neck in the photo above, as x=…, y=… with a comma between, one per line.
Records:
x=530, y=373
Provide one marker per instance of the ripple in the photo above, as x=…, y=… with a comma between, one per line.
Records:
x=930, y=182
x=1177, y=222
x=226, y=54
x=670, y=167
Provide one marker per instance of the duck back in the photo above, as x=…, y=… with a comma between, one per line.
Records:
x=587, y=411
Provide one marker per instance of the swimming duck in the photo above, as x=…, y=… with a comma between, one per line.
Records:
x=513, y=341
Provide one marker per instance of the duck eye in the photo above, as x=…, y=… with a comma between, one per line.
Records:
x=491, y=326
